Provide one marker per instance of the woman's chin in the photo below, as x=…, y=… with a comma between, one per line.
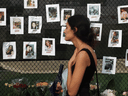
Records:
x=66, y=39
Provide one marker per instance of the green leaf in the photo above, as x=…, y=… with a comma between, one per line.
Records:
x=111, y=85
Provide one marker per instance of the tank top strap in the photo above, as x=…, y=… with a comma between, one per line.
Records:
x=90, y=56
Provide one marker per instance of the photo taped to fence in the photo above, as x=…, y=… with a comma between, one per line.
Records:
x=109, y=65
x=122, y=14
x=115, y=38
x=30, y=4
x=35, y=24
x=2, y=16
x=9, y=50
x=65, y=14
x=29, y=50
x=94, y=11
x=16, y=25
x=48, y=46
x=53, y=13
x=97, y=29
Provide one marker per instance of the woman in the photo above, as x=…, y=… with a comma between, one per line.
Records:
x=48, y=45
x=9, y=50
x=81, y=66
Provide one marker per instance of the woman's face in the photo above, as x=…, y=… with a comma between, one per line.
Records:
x=28, y=48
x=34, y=25
x=47, y=43
x=69, y=33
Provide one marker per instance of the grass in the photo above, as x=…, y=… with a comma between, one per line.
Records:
x=119, y=81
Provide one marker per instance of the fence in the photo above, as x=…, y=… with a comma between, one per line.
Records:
x=45, y=67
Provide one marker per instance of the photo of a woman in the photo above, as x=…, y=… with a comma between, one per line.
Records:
x=10, y=50
x=48, y=44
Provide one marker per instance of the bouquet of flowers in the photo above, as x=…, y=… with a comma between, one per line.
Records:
x=41, y=87
x=93, y=90
x=108, y=92
x=18, y=87
x=125, y=93
x=22, y=87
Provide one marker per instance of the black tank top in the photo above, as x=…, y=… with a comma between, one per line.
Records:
x=89, y=72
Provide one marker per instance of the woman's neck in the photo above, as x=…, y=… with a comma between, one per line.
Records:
x=79, y=44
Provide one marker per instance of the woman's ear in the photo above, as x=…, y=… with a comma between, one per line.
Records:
x=75, y=29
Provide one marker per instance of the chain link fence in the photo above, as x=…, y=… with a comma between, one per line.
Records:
x=45, y=68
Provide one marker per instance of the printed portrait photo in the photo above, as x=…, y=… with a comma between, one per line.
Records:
x=2, y=16
x=122, y=14
x=62, y=37
x=29, y=4
x=9, y=50
x=97, y=29
x=65, y=14
x=52, y=13
x=109, y=65
x=29, y=50
x=35, y=24
x=48, y=46
x=93, y=11
x=16, y=25
x=115, y=38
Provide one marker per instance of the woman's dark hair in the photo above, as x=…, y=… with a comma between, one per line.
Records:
x=84, y=32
